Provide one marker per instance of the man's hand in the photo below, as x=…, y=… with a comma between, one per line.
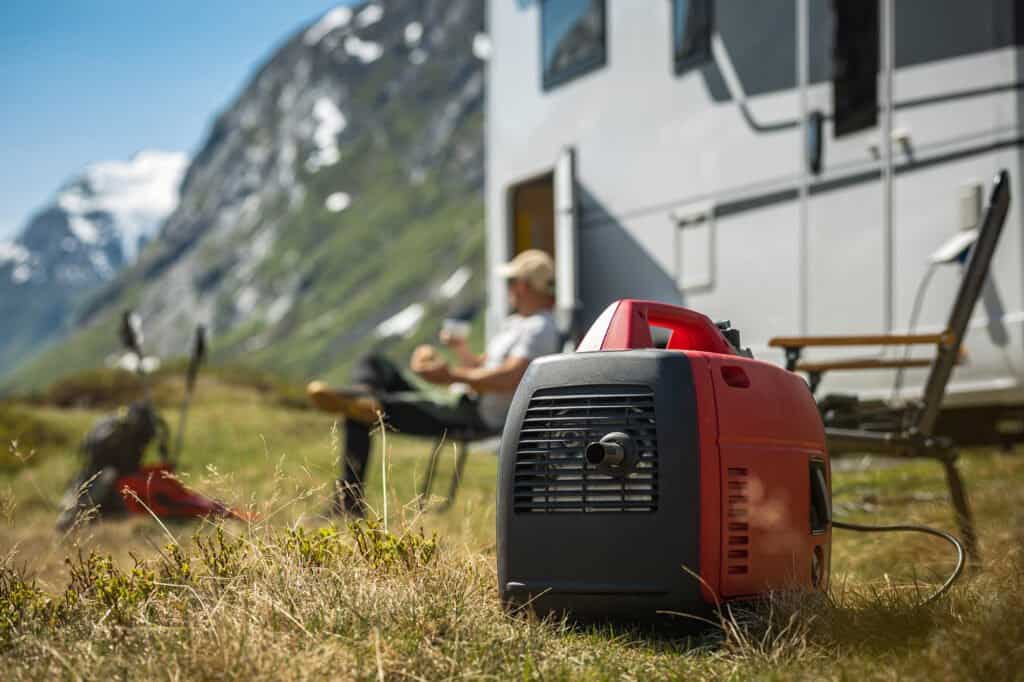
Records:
x=460, y=346
x=430, y=366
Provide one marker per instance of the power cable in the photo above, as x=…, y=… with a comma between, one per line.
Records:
x=960, y=554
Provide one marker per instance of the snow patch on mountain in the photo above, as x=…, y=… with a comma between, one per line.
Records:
x=402, y=323
x=330, y=122
x=21, y=274
x=279, y=308
x=370, y=15
x=337, y=202
x=334, y=19
x=413, y=33
x=455, y=283
x=482, y=46
x=83, y=229
x=365, y=51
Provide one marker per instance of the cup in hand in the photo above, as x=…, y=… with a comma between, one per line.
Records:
x=455, y=330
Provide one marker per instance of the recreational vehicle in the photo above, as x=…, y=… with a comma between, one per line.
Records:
x=795, y=166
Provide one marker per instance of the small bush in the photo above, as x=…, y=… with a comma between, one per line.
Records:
x=97, y=388
x=385, y=550
x=97, y=577
x=20, y=601
x=175, y=566
x=222, y=556
x=317, y=548
x=22, y=433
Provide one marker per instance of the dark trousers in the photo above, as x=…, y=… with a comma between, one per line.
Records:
x=406, y=411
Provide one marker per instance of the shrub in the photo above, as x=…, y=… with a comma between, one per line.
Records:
x=22, y=433
x=385, y=550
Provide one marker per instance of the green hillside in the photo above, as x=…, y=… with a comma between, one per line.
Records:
x=340, y=188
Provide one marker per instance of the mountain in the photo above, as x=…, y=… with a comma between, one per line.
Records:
x=334, y=207
x=91, y=229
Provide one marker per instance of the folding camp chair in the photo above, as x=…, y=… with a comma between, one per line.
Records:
x=461, y=440
x=909, y=431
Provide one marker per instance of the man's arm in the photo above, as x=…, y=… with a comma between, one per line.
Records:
x=501, y=379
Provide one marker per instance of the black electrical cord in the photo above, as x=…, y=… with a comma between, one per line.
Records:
x=960, y=554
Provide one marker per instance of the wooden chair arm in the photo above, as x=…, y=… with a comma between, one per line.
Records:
x=943, y=338
x=867, y=364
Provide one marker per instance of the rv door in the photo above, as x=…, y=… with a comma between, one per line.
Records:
x=566, y=244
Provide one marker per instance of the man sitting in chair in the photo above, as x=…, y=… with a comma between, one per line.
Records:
x=379, y=386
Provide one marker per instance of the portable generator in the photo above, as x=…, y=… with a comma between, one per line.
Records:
x=636, y=481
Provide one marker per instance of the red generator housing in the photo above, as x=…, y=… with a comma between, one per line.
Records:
x=636, y=481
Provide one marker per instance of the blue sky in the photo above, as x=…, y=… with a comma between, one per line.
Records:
x=89, y=80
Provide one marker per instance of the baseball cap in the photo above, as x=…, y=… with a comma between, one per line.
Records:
x=534, y=266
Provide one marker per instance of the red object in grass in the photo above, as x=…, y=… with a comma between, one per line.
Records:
x=156, y=490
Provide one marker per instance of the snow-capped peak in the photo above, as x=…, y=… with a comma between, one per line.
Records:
x=11, y=252
x=135, y=196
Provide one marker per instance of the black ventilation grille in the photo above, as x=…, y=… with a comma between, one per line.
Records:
x=738, y=510
x=551, y=473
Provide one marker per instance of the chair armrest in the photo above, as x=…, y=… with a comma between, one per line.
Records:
x=943, y=338
x=862, y=364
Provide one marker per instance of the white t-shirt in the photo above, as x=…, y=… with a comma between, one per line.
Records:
x=519, y=337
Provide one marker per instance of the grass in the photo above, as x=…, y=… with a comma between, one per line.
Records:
x=289, y=595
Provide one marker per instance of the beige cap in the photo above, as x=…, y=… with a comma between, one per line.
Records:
x=534, y=266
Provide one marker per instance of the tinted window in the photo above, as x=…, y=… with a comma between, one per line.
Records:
x=572, y=38
x=855, y=66
x=691, y=32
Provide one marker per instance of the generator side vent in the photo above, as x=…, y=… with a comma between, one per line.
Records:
x=737, y=552
x=551, y=472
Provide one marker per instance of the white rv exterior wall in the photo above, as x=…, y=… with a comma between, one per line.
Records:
x=653, y=148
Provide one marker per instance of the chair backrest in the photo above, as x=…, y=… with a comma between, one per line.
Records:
x=973, y=281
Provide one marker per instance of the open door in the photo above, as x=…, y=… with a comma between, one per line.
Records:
x=544, y=216
x=567, y=302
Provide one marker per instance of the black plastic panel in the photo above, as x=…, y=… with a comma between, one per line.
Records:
x=612, y=564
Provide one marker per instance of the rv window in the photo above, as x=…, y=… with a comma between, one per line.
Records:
x=572, y=39
x=855, y=66
x=691, y=33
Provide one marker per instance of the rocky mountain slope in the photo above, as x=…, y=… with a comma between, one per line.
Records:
x=334, y=206
x=93, y=227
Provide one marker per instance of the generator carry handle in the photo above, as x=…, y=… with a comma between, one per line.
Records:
x=626, y=324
